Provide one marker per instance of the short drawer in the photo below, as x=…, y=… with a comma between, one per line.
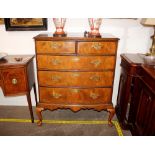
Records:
x=77, y=79
x=55, y=47
x=14, y=80
x=75, y=96
x=76, y=62
x=97, y=47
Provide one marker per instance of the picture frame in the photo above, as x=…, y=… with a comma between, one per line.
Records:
x=1, y=21
x=25, y=24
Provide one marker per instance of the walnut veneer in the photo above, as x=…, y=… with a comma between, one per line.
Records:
x=75, y=73
x=17, y=77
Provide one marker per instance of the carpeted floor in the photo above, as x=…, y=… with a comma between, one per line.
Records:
x=15, y=121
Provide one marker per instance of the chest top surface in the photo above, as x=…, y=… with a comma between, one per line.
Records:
x=15, y=60
x=75, y=36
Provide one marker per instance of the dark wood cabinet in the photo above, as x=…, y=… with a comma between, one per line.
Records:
x=75, y=72
x=135, y=107
x=130, y=64
x=17, y=77
x=142, y=120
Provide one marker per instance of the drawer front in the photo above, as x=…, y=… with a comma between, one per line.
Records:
x=97, y=47
x=14, y=80
x=55, y=47
x=75, y=96
x=85, y=79
x=76, y=62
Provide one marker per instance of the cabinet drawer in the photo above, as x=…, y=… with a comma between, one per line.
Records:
x=14, y=80
x=97, y=47
x=85, y=79
x=76, y=62
x=75, y=96
x=55, y=47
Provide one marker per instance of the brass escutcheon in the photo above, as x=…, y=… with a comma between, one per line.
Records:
x=96, y=62
x=56, y=78
x=94, y=96
x=55, y=45
x=56, y=62
x=75, y=74
x=97, y=46
x=56, y=95
x=95, y=78
x=75, y=59
x=75, y=90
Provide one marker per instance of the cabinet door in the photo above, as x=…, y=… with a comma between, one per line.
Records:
x=123, y=99
x=120, y=97
x=144, y=114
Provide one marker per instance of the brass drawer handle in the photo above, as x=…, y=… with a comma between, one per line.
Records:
x=56, y=95
x=94, y=96
x=75, y=59
x=96, y=62
x=55, y=45
x=97, y=46
x=56, y=62
x=14, y=81
x=56, y=78
x=95, y=78
x=75, y=90
x=75, y=74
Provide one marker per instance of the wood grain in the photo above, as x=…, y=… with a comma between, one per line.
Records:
x=97, y=48
x=77, y=79
x=55, y=47
x=75, y=95
x=75, y=62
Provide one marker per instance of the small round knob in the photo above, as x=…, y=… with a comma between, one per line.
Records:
x=14, y=81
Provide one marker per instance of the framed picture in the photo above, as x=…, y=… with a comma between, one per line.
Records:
x=25, y=24
x=1, y=20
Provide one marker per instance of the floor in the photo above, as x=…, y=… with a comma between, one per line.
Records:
x=15, y=121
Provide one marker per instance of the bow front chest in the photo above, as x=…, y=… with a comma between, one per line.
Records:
x=75, y=73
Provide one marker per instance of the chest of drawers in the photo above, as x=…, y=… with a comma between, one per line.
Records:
x=75, y=73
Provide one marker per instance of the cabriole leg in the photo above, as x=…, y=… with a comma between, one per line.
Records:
x=111, y=115
x=38, y=112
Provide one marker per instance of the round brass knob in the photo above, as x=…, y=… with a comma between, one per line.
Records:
x=14, y=81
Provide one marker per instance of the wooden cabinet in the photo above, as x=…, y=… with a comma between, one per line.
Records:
x=75, y=73
x=130, y=64
x=17, y=77
x=136, y=97
x=143, y=105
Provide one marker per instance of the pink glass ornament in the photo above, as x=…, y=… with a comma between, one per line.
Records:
x=59, y=24
x=95, y=24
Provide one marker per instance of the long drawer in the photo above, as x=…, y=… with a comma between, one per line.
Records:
x=75, y=62
x=97, y=47
x=55, y=47
x=75, y=96
x=85, y=79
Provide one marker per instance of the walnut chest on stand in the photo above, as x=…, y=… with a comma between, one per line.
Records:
x=75, y=72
